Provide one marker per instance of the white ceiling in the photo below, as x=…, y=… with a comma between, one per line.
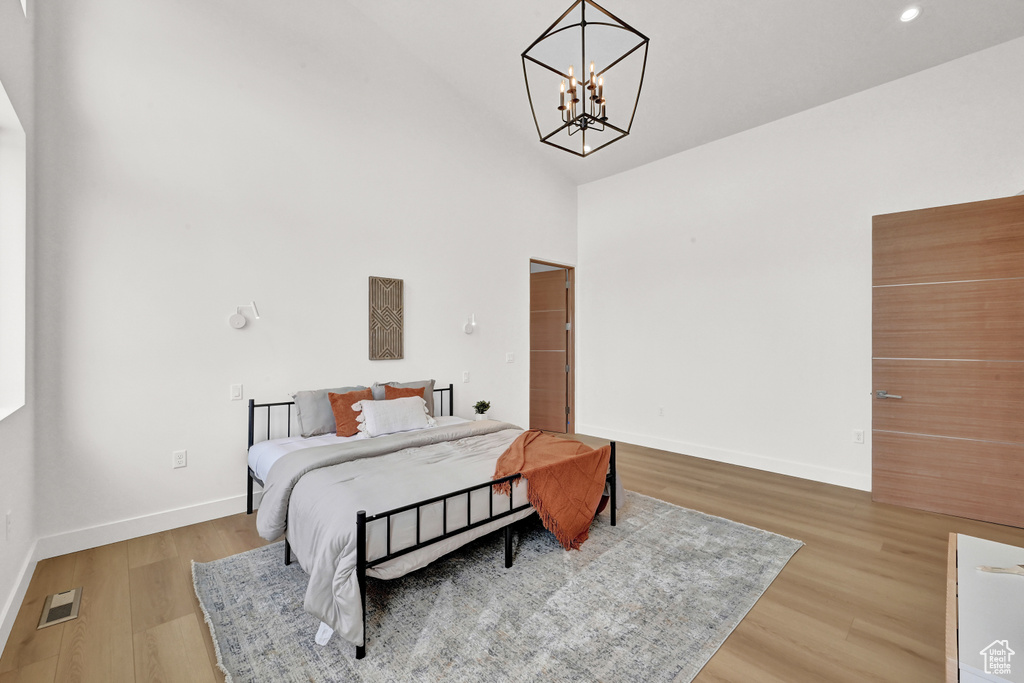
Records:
x=714, y=68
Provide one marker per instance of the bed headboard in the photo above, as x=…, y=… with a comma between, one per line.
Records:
x=279, y=415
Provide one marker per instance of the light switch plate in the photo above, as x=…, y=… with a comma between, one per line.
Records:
x=510, y=357
x=236, y=392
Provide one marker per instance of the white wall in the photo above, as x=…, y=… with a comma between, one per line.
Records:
x=730, y=284
x=194, y=156
x=13, y=263
x=17, y=461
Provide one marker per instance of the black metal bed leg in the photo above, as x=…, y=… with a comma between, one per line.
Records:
x=508, y=546
x=287, y=552
x=615, y=483
x=252, y=436
x=248, y=496
x=361, y=574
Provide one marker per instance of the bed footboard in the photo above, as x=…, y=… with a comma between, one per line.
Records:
x=362, y=519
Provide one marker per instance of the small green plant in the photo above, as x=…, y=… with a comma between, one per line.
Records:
x=481, y=407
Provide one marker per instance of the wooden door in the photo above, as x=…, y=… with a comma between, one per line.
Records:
x=551, y=348
x=948, y=348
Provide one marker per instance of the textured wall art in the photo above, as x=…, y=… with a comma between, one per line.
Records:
x=386, y=314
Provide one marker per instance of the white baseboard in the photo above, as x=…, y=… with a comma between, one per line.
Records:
x=92, y=537
x=17, y=596
x=114, y=532
x=827, y=475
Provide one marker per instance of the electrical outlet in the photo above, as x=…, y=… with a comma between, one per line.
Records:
x=661, y=411
x=858, y=436
x=465, y=375
x=179, y=459
x=7, y=526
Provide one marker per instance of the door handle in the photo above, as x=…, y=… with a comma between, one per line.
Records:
x=882, y=393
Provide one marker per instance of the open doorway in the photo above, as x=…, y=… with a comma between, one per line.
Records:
x=552, y=347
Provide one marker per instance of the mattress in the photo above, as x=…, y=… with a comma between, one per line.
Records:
x=264, y=454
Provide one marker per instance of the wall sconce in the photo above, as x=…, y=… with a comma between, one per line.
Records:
x=238, y=321
x=470, y=324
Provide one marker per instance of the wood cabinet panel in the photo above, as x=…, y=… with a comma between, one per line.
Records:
x=952, y=651
x=962, y=320
x=967, y=400
x=979, y=240
x=973, y=479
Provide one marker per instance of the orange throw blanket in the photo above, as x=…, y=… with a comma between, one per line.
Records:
x=566, y=480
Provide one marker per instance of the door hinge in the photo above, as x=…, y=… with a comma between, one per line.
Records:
x=568, y=327
x=567, y=410
x=567, y=368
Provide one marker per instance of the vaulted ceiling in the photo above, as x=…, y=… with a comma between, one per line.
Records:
x=715, y=67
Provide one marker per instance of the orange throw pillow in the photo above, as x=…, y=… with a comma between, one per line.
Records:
x=344, y=416
x=391, y=392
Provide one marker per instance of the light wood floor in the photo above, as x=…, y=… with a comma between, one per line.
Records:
x=863, y=600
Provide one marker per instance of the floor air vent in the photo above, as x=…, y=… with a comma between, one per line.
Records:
x=60, y=607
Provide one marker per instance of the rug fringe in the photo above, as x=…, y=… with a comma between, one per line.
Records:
x=209, y=625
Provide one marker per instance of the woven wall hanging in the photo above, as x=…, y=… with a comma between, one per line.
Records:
x=386, y=315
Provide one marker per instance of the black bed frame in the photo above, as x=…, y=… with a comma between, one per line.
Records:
x=362, y=519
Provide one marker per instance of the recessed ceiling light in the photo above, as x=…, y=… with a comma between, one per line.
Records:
x=911, y=13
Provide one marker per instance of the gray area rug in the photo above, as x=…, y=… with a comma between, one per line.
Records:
x=648, y=600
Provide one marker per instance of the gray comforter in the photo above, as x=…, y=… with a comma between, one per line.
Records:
x=315, y=492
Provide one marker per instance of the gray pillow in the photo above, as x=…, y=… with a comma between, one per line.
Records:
x=428, y=393
x=314, y=412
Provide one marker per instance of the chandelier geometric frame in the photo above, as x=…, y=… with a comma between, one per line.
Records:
x=585, y=120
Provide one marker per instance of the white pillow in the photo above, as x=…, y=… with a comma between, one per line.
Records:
x=377, y=418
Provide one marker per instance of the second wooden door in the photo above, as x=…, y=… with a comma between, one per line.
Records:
x=550, y=348
x=948, y=360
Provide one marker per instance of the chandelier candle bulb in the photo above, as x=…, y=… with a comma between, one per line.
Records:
x=600, y=89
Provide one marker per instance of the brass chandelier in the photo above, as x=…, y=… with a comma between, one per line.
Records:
x=584, y=120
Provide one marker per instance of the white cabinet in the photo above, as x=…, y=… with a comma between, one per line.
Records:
x=989, y=617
